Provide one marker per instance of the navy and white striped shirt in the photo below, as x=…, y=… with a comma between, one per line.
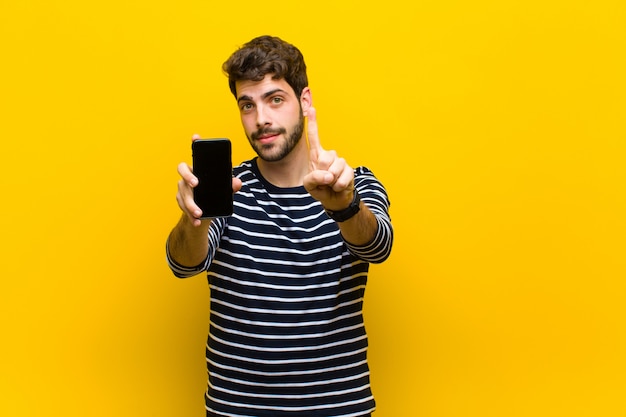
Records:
x=286, y=331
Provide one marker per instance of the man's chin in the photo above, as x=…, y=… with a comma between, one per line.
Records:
x=268, y=153
x=269, y=157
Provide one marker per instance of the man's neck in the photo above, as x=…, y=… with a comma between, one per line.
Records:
x=289, y=171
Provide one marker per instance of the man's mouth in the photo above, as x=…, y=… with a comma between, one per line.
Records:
x=267, y=136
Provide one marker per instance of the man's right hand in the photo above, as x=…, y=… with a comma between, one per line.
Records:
x=184, y=196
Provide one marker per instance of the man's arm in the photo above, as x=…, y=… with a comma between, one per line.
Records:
x=361, y=228
x=375, y=202
x=188, y=245
x=188, y=242
x=331, y=181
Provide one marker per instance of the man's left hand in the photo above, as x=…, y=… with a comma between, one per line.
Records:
x=330, y=179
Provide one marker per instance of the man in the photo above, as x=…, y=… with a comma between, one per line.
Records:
x=287, y=271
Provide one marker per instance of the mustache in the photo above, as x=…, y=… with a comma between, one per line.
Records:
x=267, y=131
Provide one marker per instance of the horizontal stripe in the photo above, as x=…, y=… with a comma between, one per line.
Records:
x=287, y=349
x=316, y=371
x=291, y=384
x=287, y=361
x=283, y=324
x=292, y=396
x=293, y=409
x=296, y=251
x=289, y=312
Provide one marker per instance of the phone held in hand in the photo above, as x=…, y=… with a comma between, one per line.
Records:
x=212, y=165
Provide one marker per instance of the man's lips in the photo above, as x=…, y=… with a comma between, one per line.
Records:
x=266, y=137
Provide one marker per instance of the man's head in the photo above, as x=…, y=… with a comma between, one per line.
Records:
x=268, y=78
x=267, y=55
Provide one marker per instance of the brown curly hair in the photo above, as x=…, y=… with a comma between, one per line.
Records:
x=267, y=55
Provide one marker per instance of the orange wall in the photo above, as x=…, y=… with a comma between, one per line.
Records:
x=497, y=127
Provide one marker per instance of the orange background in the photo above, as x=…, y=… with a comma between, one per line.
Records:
x=497, y=127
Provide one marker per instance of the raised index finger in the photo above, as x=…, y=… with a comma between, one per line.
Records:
x=314, y=141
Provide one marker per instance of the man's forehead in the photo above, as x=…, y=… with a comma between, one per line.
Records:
x=256, y=89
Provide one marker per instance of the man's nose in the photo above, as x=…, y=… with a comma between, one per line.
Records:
x=262, y=117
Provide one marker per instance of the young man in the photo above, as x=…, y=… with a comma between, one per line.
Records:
x=287, y=271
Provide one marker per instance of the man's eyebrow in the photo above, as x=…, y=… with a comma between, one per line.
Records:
x=265, y=95
x=272, y=92
x=244, y=98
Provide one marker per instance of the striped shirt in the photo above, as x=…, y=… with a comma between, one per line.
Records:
x=286, y=335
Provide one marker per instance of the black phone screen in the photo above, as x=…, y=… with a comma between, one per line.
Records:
x=212, y=166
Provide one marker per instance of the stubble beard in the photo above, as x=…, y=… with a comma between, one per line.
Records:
x=275, y=152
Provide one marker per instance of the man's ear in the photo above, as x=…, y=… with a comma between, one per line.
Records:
x=306, y=100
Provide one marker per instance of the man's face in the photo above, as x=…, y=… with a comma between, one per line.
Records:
x=271, y=115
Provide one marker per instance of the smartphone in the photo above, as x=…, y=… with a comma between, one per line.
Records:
x=212, y=165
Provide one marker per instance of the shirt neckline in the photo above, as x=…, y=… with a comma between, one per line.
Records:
x=268, y=185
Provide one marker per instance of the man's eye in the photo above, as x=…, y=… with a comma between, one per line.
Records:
x=246, y=107
x=277, y=100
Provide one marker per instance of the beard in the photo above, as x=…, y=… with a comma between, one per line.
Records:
x=276, y=151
